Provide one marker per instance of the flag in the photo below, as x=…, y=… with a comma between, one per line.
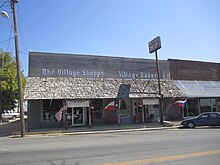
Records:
x=110, y=106
x=58, y=115
x=181, y=103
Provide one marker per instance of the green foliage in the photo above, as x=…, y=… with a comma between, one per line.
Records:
x=9, y=81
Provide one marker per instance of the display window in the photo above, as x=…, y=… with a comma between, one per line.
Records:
x=208, y=105
x=50, y=108
x=193, y=107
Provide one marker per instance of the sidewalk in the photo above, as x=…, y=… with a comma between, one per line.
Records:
x=101, y=129
x=13, y=129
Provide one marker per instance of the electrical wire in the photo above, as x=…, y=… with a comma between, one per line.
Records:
x=4, y=4
x=6, y=40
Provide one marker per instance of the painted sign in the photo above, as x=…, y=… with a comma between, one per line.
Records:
x=88, y=66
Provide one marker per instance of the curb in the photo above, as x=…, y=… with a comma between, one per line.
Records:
x=66, y=132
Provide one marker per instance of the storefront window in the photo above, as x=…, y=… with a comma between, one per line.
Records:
x=96, y=109
x=193, y=107
x=213, y=105
x=50, y=108
x=218, y=105
x=205, y=105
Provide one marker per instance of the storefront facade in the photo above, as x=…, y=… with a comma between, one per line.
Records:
x=200, y=81
x=95, y=89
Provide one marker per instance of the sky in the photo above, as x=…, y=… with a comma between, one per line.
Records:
x=189, y=29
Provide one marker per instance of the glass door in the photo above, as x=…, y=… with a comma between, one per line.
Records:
x=78, y=116
x=69, y=116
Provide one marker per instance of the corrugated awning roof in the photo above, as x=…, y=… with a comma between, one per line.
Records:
x=199, y=88
x=91, y=88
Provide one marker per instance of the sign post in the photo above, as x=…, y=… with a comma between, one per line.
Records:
x=154, y=45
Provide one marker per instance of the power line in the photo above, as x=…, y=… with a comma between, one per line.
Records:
x=6, y=40
x=4, y=4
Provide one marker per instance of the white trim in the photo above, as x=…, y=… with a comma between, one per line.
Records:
x=77, y=103
x=150, y=101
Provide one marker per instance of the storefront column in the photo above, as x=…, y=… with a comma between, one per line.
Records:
x=187, y=108
x=65, y=122
x=90, y=117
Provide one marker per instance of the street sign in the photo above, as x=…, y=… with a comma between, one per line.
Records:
x=154, y=44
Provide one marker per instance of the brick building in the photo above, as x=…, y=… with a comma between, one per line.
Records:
x=200, y=81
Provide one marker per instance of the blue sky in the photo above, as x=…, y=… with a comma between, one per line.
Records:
x=189, y=29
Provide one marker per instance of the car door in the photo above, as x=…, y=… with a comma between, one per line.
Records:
x=214, y=120
x=202, y=120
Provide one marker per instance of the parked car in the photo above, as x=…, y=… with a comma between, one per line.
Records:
x=204, y=119
x=10, y=114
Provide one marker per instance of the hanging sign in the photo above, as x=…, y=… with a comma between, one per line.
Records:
x=154, y=44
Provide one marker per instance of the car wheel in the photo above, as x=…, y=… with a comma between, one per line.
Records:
x=13, y=117
x=191, y=125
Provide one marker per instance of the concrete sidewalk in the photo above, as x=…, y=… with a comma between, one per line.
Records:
x=13, y=129
x=101, y=129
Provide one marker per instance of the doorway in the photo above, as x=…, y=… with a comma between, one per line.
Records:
x=76, y=116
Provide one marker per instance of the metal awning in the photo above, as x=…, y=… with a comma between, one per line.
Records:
x=199, y=88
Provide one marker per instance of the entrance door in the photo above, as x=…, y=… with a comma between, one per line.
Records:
x=78, y=116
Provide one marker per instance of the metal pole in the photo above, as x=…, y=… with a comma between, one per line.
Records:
x=187, y=109
x=1, y=95
x=160, y=94
x=143, y=112
x=20, y=97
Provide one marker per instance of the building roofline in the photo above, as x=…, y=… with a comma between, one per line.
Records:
x=90, y=55
x=181, y=60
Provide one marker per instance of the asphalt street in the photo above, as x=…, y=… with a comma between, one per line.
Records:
x=176, y=146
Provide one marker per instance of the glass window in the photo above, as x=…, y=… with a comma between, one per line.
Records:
x=205, y=103
x=204, y=116
x=50, y=108
x=97, y=109
x=213, y=115
x=193, y=107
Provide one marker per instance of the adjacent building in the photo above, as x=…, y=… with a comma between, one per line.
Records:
x=200, y=82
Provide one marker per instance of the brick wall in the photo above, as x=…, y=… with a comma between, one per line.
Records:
x=194, y=70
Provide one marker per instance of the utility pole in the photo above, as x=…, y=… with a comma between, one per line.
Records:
x=20, y=97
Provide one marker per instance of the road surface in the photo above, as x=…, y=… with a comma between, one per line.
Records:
x=166, y=147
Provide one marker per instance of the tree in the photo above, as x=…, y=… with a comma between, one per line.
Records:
x=9, y=82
